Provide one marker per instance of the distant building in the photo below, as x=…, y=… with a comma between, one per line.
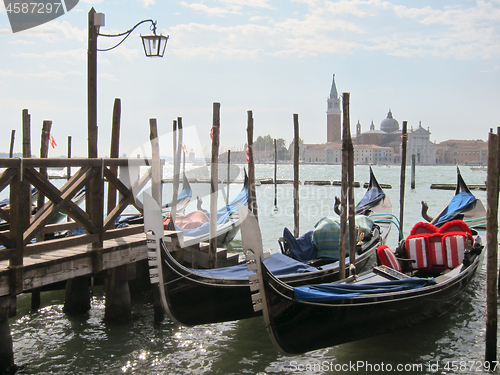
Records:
x=331, y=153
x=389, y=135
x=462, y=152
x=333, y=116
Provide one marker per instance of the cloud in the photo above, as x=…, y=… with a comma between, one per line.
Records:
x=66, y=56
x=147, y=3
x=215, y=11
x=53, y=75
x=55, y=31
x=315, y=27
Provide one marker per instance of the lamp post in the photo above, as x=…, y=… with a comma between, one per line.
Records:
x=154, y=46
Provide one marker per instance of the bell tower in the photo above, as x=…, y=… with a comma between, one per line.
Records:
x=333, y=116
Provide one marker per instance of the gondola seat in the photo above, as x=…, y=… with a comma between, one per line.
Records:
x=455, y=226
x=416, y=247
x=423, y=228
x=437, y=248
x=388, y=258
x=455, y=244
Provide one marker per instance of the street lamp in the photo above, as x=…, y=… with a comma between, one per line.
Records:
x=154, y=46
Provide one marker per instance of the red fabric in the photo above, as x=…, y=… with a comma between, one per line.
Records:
x=416, y=249
x=192, y=220
x=436, y=252
x=421, y=228
x=387, y=258
x=455, y=226
x=454, y=244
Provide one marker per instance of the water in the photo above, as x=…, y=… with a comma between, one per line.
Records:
x=49, y=342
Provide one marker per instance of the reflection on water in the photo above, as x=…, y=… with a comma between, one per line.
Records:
x=49, y=342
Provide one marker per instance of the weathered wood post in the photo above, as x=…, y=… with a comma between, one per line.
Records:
x=344, y=187
x=44, y=153
x=7, y=365
x=114, y=151
x=20, y=211
x=413, y=161
x=118, y=306
x=404, y=140
x=275, y=174
x=252, y=198
x=68, y=169
x=177, y=168
x=350, y=179
x=296, y=151
x=228, y=174
x=12, y=138
x=492, y=246
x=214, y=181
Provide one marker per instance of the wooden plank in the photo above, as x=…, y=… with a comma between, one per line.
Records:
x=123, y=232
x=58, y=244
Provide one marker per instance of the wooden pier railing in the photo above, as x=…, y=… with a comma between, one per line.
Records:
x=24, y=225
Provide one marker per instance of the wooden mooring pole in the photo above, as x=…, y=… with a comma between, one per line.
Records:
x=350, y=179
x=413, y=162
x=344, y=187
x=275, y=174
x=252, y=199
x=12, y=139
x=68, y=169
x=177, y=168
x=492, y=248
x=114, y=151
x=44, y=153
x=404, y=140
x=296, y=151
x=228, y=174
x=214, y=181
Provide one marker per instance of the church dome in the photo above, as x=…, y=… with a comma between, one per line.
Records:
x=389, y=124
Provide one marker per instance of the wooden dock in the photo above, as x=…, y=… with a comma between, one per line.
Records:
x=27, y=262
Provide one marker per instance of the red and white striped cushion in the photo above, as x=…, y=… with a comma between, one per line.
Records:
x=436, y=252
x=416, y=249
x=387, y=258
x=454, y=245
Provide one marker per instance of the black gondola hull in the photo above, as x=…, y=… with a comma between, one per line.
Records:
x=300, y=327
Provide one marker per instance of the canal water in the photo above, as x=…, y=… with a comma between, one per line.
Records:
x=49, y=342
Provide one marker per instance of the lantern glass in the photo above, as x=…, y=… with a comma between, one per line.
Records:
x=154, y=45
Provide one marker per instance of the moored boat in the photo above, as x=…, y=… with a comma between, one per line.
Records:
x=191, y=297
x=439, y=264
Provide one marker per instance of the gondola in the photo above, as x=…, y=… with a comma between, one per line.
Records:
x=183, y=199
x=306, y=318
x=464, y=206
x=228, y=223
x=191, y=297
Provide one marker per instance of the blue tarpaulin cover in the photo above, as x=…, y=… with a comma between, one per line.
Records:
x=370, y=199
x=460, y=203
x=335, y=291
x=278, y=264
x=222, y=215
x=301, y=248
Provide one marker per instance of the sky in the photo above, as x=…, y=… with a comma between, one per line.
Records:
x=434, y=62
